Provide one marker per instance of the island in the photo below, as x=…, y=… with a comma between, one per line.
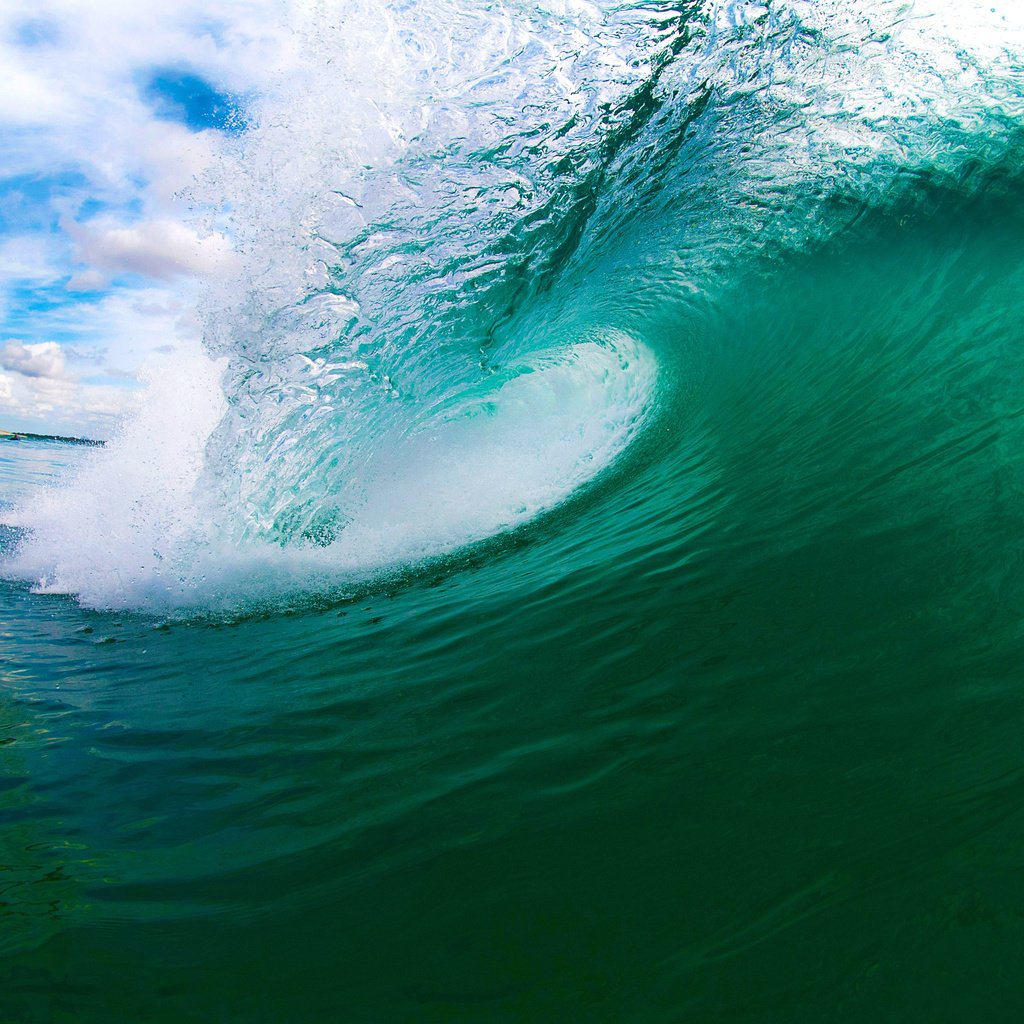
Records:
x=20, y=435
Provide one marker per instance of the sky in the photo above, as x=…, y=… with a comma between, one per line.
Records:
x=110, y=115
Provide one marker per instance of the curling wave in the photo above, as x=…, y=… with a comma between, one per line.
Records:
x=473, y=268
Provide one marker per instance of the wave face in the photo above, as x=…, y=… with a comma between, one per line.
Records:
x=485, y=249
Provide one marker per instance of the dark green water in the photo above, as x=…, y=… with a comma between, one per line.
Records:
x=732, y=734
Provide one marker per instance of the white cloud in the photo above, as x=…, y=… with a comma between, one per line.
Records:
x=44, y=359
x=27, y=97
x=62, y=404
x=6, y=389
x=28, y=258
x=104, y=401
x=80, y=410
x=123, y=329
x=52, y=393
x=175, y=158
x=87, y=281
x=44, y=395
x=160, y=249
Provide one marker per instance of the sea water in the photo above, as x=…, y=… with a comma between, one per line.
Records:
x=581, y=578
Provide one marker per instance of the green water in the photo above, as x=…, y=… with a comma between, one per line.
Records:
x=733, y=735
x=594, y=591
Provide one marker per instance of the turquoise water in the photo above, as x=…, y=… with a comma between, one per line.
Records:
x=636, y=636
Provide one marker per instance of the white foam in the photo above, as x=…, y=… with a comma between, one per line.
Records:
x=137, y=530
x=125, y=529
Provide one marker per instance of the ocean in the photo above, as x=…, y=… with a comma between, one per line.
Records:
x=581, y=578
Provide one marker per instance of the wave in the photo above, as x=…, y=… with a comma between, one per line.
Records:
x=484, y=248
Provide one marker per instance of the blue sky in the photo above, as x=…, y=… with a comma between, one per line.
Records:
x=110, y=115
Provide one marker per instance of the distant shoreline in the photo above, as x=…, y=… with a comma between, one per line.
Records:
x=25, y=435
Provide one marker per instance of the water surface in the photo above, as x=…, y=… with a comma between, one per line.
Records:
x=716, y=717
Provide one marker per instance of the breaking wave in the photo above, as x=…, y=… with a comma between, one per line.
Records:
x=484, y=250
